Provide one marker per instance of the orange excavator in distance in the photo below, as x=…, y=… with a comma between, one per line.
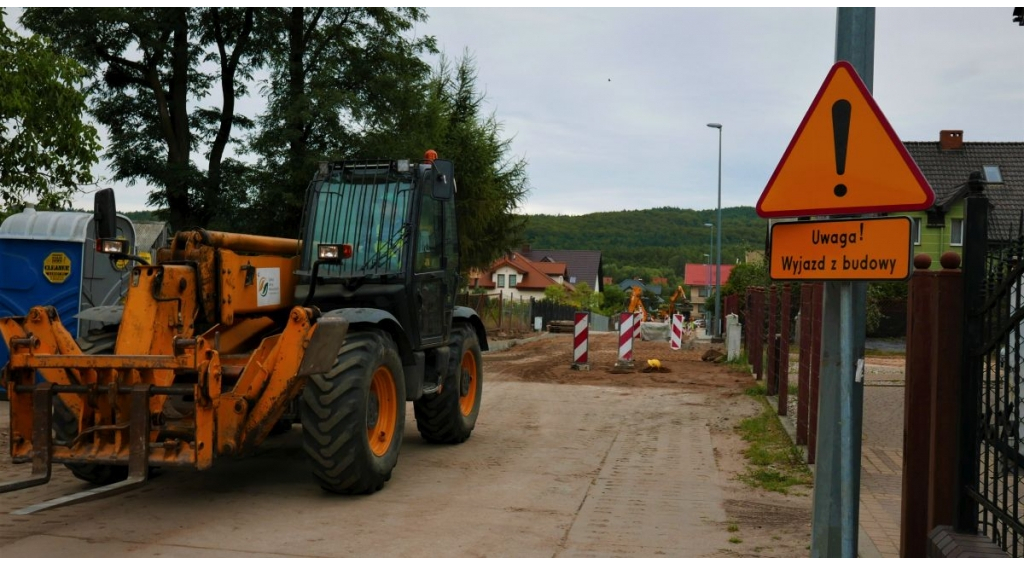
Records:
x=678, y=296
x=637, y=304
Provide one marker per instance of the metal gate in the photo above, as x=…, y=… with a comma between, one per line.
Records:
x=991, y=452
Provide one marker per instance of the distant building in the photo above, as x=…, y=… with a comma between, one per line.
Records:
x=582, y=266
x=516, y=276
x=151, y=236
x=700, y=279
x=946, y=164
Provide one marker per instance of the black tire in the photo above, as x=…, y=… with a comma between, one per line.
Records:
x=353, y=416
x=449, y=416
x=65, y=426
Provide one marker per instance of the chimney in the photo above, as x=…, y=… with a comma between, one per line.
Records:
x=526, y=248
x=951, y=139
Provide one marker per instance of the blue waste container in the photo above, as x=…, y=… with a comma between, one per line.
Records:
x=50, y=258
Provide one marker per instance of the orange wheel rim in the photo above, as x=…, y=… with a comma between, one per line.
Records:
x=381, y=432
x=468, y=385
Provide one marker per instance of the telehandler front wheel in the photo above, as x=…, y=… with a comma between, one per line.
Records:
x=449, y=416
x=354, y=414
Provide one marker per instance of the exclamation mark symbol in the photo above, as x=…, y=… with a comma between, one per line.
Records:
x=841, y=134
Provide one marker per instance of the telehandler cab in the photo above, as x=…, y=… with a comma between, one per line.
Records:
x=230, y=337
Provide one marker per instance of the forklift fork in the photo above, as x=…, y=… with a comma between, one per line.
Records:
x=42, y=419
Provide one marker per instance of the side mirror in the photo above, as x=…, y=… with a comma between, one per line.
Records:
x=105, y=214
x=444, y=180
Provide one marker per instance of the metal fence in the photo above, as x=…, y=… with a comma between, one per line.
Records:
x=992, y=453
x=500, y=313
x=516, y=316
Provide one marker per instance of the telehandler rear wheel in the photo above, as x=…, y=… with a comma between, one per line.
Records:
x=353, y=415
x=449, y=416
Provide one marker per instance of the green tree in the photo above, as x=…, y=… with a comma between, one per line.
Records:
x=585, y=298
x=147, y=83
x=446, y=115
x=882, y=294
x=614, y=300
x=556, y=293
x=743, y=276
x=46, y=148
x=336, y=73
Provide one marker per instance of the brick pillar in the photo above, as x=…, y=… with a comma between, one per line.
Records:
x=931, y=393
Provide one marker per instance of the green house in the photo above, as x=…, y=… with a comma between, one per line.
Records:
x=946, y=165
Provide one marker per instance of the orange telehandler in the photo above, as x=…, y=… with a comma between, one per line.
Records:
x=230, y=337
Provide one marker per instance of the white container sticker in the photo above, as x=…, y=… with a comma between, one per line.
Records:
x=268, y=287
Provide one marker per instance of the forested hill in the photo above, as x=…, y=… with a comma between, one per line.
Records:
x=649, y=242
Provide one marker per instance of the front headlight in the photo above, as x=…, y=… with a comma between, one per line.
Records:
x=333, y=253
x=112, y=246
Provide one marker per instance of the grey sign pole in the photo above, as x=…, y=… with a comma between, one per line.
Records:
x=841, y=391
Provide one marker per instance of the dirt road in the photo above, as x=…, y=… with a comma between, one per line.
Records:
x=562, y=463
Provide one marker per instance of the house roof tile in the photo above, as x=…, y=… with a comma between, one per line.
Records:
x=947, y=173
x=702, y=275
x=581, y=266
x=534, y=275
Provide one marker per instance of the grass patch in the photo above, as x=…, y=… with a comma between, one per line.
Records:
x=735, y=540
x=794, y=389
x=733, y=527
x=879, y=352
x=740, y=360
x=774, y=463
x=758, y=390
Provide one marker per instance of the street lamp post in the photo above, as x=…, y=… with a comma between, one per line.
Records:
x=711, y=250
x=707, y=289
x=718, y=275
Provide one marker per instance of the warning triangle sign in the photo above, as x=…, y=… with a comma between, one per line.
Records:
x=844, y=159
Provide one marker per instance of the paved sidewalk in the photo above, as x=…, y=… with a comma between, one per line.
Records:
x=881, y=480
x=881, y=473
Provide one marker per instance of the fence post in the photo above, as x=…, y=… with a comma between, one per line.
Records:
x=757, y=334
x=749, y=323
x=773, y=361
x=975, y=249
x=812, y=393
x=804, y=374
x=783, y=359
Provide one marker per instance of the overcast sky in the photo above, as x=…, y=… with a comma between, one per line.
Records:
x=609, y=106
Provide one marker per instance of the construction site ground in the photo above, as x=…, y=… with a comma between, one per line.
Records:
x=563, y=462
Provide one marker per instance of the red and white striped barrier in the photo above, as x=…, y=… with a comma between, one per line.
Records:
x=676, y=340
x=580, y=341
x=625, y=338
x=637, y=318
